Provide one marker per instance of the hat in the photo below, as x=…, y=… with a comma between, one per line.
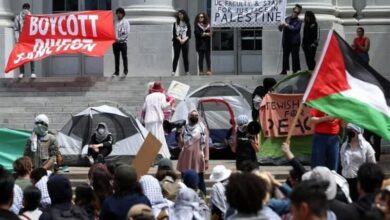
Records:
x=220, y=173
x=191, y=179
x=59, y=188
x=165, y=164
x=157, y=87
x=323, y=174
x=42, y=118
x=242, y=120
x=140, y=209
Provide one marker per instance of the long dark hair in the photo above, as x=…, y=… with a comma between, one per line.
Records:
x=206, y=19
x=101, y=183
x=186, y=19
x=311, y=19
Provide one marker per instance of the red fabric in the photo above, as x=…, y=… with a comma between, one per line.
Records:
x=87, y=32
x=331, y=77
x=328, y=127
x=359, y=41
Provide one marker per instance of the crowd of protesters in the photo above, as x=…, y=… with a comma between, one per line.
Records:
x=115, y=191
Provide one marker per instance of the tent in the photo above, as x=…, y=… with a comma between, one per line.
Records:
x=218, y=104
x=12, y=143
x=270, y=152
x=128, y=134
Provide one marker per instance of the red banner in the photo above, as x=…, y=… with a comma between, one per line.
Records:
x=87, y=32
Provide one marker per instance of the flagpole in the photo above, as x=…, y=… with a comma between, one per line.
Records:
x=292, y=126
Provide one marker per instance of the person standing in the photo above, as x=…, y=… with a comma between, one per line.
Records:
x=310, y=39
x=325, y=148
x=245, y=145
x=18, y=28
x=361, y=45
x=122, y=30
x=203, y=41
x=291, y=40
x=181, y=36
x=100, y=145
x=42, y=146
x=153, y=108
x=355, y=151
x=193, y=140
x=7, y=191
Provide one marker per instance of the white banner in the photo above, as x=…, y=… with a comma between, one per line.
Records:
x=247, y=13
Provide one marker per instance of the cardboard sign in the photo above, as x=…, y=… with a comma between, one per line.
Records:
x=87, y=32
x=247, y=13
x=146, y=155
x=277, y=112
x=178, y=90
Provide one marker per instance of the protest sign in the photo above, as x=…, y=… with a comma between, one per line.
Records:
x=146, y=155
x=178, y=90
x=277, y=112
x=247, y=13
x=87, y=32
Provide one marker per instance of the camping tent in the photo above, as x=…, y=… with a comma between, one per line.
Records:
x=270, y=152
x=128, y=134
x=12, y=143
x=219, y=104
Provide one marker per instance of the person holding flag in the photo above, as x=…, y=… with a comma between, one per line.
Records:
x=18, y=28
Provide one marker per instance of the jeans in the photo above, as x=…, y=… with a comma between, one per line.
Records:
x=119, y=48
x=204, y=54
x=325, y=151
x=32, y=65
x=310, y=54
x=294, y=51
x=177, y=47
x=102, y=150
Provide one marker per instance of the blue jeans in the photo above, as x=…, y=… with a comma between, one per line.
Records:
x=325, y=151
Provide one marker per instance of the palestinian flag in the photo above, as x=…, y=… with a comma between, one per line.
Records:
x=345, y=87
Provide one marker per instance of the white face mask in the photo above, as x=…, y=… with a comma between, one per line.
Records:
x=101, y=130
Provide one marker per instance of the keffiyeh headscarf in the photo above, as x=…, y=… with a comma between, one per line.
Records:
x=188, y=205
x=101, y=136
x=152, y=189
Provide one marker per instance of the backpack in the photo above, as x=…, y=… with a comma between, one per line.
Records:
x=74, y=213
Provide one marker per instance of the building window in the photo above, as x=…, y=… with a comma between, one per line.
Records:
x=223, y=39
x=251, y=38
x=65, y=5
x=97, y=4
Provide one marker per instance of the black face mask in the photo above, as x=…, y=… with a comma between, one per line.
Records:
x=193, y=120
x=351, y=134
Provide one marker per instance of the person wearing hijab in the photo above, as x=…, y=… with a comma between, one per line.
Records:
x=218, y=202
x=153, y=116
x=245, y=145
x=193, y=140
x=355, y=151
x=42, y=146
x=153, y=192
x=18, y=27
x=189, y=206
x=100, y=145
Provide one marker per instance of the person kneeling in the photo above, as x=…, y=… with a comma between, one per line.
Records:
x=100, y=145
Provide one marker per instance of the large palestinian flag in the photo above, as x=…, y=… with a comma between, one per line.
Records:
x=344, y=87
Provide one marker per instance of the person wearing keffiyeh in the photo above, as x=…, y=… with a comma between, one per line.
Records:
x=101, y=144
x=151, y=187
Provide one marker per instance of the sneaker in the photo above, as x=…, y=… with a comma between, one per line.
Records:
x=188, y=74
x=173, y=74
x=33, y=76
x=91, y=160
x=21, y=76
x=115, y=74
x=209, y=73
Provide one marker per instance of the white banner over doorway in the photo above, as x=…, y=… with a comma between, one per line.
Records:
x=247, y=13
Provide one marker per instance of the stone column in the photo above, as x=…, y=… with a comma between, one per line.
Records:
x=149, y=45
x=6, y=35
